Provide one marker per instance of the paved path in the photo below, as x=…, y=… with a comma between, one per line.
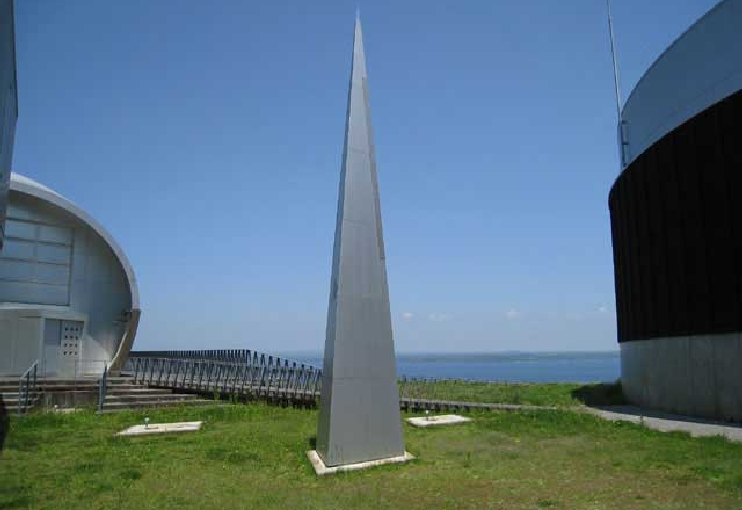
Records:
x=666, y=422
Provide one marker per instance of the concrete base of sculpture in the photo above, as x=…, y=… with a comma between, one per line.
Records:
x=161, y=428
x=319, y=465
x=437, y=421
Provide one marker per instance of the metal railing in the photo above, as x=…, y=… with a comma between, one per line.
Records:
x=27, y=387
x=226, y=355
x=248, y=374
x=254, y=375
x=102, y=387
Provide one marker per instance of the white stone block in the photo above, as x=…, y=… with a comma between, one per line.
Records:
x=161, y=428
x=435, y=421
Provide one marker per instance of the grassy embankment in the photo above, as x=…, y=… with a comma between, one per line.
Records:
x=557, y=394
x=253, y=456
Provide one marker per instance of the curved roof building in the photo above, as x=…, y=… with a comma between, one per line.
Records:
x=676, y=221
x=68, y=294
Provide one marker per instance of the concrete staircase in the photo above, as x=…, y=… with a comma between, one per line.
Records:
x=9, y=391
x=121, y=394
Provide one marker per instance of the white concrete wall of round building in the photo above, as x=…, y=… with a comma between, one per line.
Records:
x=699, y=374
x=68, y=295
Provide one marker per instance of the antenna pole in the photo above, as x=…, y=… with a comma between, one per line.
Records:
x=619, y=116
x=615, y=63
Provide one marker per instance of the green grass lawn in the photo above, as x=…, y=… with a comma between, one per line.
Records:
x=253, y=456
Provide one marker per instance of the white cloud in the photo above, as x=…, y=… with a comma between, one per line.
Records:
x=407, y=315
x=439, y=317
x=512, y=314
x=603, y=309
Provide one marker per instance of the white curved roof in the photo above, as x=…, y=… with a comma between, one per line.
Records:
x=30, y=187
x=700, y=68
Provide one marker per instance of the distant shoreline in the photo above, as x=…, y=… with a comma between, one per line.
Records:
x=474, y=353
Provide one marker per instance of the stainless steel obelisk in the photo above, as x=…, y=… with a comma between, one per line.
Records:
x=359, y=417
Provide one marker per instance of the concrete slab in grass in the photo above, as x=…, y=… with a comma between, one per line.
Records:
x=437, y=421
x=161, y=428
x=319, y=465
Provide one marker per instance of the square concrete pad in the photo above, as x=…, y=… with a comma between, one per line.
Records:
x=319, y=465
x=161, y=428
x=435, y=421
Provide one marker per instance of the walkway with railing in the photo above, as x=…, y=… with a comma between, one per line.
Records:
x=252, y=375
x=246, y=374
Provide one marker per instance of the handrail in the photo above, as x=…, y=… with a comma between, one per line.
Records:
x=24, y=387
x=276, y=380
x=239, y=356
x=254, y=377
x=102, y=387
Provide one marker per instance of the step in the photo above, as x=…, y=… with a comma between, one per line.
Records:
x=11, y=380
x=14, y=394
x=86, y=386
x=68, y=387
x=150, y=398
x=119, y=381
x=120, y=406
x=88, y=381
x=125, y=387
x=41, y=387
x=43, y=381
x=9, y=388
x=138, y=390
x=52, y=380
x=13, y=401
x=12, y=407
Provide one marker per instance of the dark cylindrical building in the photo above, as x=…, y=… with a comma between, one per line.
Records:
x=676, y=220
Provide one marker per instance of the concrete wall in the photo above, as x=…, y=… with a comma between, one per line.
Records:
x=695, y=375
x=703, y=66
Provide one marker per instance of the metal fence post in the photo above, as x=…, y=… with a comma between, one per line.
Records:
x=102, y=387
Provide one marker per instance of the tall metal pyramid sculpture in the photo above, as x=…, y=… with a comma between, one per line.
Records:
x=359, y=417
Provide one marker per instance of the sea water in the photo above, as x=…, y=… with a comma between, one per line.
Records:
x=502, y=366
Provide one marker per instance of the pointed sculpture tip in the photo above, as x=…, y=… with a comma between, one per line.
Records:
x=357, y=27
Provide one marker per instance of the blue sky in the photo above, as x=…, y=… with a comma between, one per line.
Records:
x=207, y=136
